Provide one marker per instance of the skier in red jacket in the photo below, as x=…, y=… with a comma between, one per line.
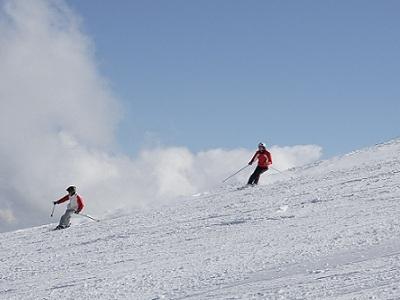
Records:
x=75, y=205
x=264, y=160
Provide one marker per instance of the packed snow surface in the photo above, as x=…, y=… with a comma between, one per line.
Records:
x=330, y=230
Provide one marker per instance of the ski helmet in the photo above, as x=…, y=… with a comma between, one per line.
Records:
x=261, y=145
x=71, y=188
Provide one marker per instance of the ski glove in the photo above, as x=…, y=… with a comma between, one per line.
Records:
x=77, y=212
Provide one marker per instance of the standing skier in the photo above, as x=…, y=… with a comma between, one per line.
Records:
x=75, y=205
x=264, y=160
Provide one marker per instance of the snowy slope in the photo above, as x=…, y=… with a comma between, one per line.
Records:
x=330, y=230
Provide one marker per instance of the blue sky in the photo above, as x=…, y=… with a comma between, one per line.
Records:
x=209, y=74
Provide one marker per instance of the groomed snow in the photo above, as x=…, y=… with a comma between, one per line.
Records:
x=330, y=230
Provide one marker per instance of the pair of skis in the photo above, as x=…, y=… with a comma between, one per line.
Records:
x=245, y=187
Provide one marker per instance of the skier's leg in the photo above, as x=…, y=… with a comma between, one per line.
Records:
x=254, y=176
x=65, y=219
x=257, y=173
x=260, y=171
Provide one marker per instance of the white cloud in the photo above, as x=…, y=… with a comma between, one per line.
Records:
x=57, y=124
x=6, y=216
x=288, y=157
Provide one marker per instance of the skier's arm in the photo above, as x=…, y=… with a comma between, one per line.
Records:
x=254, y=157
x=80, y=204
x=63, y=199
x=269, y=156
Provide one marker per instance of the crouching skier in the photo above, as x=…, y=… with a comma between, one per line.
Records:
x=264, y=160
x=75, y=205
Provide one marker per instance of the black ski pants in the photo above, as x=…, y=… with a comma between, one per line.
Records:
x=256, y=175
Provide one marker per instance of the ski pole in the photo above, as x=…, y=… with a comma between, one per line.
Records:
x=235, y=173
x=89, y=217
x=277, y=170
x=281, y=172
x=52, y=212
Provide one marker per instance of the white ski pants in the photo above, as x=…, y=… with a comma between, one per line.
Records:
x=66, y=218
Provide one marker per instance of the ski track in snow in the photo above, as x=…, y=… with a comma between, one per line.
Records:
x=325, y=231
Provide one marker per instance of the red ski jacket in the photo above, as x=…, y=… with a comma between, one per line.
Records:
x=264, y=158
x=75, y=202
